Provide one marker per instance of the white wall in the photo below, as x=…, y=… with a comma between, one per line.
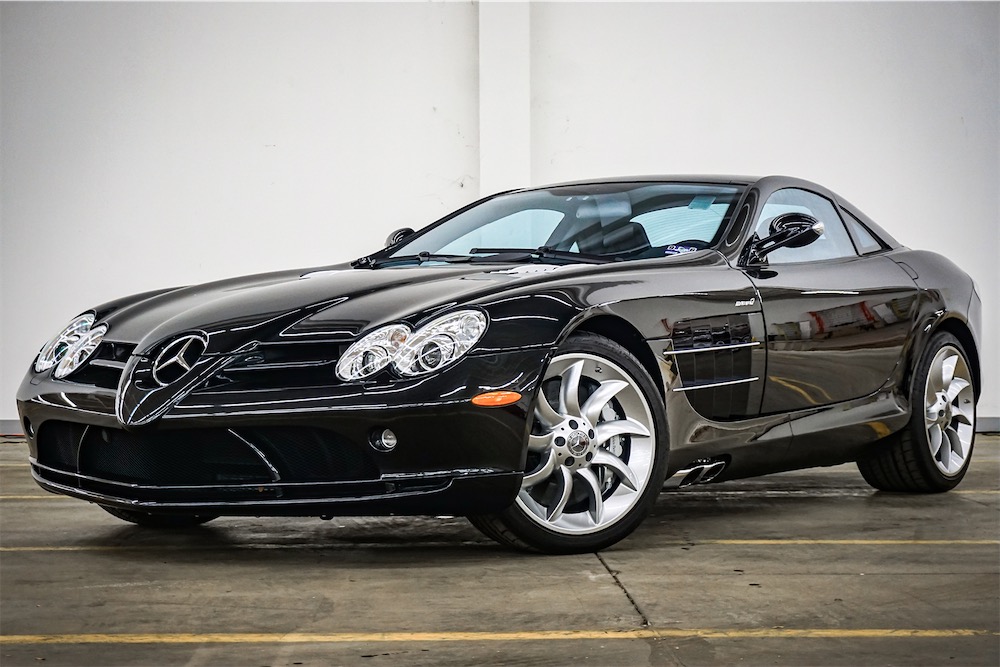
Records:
x=151, y=145
x=895, y=106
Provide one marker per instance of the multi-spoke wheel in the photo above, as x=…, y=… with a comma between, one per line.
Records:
x=950, y=410
x=933, y=452
x=596, y=454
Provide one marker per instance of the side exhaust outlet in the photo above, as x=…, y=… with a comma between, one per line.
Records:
x=698, y=472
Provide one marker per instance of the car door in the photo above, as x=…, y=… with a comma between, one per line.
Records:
x=836, y=320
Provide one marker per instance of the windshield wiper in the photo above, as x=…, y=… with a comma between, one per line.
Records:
x=545, y=252
x=368, y=263
x=519, y=255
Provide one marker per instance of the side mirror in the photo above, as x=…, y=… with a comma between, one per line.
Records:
x=788, y=230
x=398, y=236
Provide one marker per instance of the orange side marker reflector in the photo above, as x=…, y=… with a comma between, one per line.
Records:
x=495, y=399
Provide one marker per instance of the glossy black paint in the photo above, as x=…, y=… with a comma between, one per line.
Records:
x=766, y=367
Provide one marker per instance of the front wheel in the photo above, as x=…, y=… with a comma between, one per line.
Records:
x=597, y=453
x=148, y=520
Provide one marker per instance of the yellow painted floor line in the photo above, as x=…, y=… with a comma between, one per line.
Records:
x=361, y=545
x=783, y=542
x=527, y=636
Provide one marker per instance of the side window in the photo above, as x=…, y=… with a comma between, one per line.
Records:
x=524, y=229
x=834, y=242
x=867, y=243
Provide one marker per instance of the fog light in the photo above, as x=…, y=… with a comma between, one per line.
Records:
x=384, y=440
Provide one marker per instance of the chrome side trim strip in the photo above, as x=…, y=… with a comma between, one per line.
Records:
x=713, y=348
x=714, y=384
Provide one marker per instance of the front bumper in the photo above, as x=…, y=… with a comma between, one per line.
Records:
x=454, y=492
x=293, y=451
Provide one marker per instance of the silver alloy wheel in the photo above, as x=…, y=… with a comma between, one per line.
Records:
x=595, y=458
x=949, y=410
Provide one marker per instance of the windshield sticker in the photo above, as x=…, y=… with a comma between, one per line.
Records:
x=678, y=249
x=702, y=202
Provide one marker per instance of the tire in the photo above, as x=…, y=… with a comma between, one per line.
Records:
x=932, y=452
x=597, y=453
x=148, y=520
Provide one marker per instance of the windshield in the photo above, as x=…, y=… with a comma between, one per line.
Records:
x=615, y=220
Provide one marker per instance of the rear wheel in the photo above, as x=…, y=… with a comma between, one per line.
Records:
x=158, y=520
x=932, y=453
x=596, y=454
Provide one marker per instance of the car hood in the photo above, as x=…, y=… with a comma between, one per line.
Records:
x=332, y=303
x=328, y=305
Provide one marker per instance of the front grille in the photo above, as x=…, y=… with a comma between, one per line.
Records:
x=200, y=457
x=213, y=458
x=304, y=454
x=104, y=368
x=278, y=365
x=59, y=444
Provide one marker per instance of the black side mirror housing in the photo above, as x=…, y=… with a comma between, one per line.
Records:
x=788, y=230
x=398, y=236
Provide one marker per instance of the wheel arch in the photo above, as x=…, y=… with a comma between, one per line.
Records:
x=622, y=332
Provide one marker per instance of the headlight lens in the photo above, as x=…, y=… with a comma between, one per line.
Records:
x=372, y=353
x=56, y=348
x=440, y=342
x=430, y=348
x=80, y=351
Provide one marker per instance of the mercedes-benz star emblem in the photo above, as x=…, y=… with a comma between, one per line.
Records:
x=177, y=359
x=578, y=443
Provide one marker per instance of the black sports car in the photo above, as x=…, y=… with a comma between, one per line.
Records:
x=543, y=361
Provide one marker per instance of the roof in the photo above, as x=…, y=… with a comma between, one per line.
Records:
x=670, y=178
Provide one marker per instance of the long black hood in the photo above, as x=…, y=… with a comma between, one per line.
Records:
x=265, y=306
x=332, y=305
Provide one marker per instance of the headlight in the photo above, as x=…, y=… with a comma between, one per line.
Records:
x=430, y=348
x=80, y=351
x=56, y=348
x=372, y=353
x=440, y=342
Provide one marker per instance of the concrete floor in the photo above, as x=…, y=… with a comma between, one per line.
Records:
x=805, y=568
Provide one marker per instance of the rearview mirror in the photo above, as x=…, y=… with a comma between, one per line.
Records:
x=398, y=236
x=788, y=230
